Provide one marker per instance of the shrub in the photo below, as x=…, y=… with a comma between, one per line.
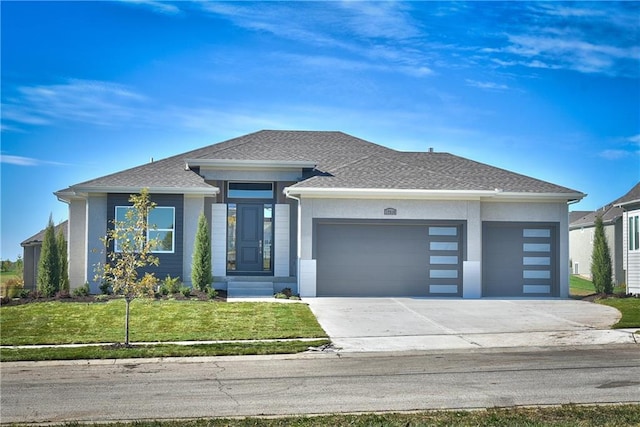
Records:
x=601, y=268
x=105, y=288
x=12, y=288
x=201, y=264
x=281, y=295
x=211, y=292
x=49, y=264
x=170, y=285
x=185, y=290
x=82, y=291
x=287, y=292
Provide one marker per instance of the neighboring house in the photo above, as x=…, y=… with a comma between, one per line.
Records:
x=31, y=254
x=329, y=214
x=581, y=233
x=630, y=203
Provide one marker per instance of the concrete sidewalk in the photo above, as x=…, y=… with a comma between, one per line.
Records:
x=403, y=324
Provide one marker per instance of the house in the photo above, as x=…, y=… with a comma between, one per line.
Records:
x=582, y=228
x=329, y=214
x=31, y=248
x=630, y=203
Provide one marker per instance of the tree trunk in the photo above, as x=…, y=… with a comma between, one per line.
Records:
x=126, y=323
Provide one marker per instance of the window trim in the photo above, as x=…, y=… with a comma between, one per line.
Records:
x=150, y=229
x=633, y=236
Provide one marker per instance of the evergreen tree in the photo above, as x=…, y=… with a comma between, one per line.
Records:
x=61, y=242
x=201, y=263
x=49, y=264
x=601, y=260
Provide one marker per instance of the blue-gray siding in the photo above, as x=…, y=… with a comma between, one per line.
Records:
x=170, y=263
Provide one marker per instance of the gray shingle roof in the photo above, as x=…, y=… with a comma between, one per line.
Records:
x=39, y=236
x=633, y=196
x=344, y=160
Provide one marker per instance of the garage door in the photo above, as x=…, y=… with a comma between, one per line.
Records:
x=388, y=259
x=519, y=259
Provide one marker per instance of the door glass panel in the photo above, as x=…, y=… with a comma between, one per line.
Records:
x=536, y=232
x=443, y=274
x=443, y=246
x=267, y=237
x=435, y=259
x=443, y=231
x=536, y=247
x=231, y=236
x=536, y=274
x=536, y=260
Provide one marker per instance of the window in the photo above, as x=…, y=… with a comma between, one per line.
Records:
x=161, y=227
x=250, y=190
x=634, y=233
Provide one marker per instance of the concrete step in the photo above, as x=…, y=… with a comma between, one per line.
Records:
x=249, y=289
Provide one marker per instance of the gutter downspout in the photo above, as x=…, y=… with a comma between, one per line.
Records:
x=298, y=232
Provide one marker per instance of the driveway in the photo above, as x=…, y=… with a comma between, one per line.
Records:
x=401, y=324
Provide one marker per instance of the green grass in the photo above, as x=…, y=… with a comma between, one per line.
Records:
x=568, y=415
x=71, y=322
x=580, y=287
x=6, y=275
x=158, y=350
x=630, y=309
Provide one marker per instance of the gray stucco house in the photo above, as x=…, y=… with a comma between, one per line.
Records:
x=329, y=214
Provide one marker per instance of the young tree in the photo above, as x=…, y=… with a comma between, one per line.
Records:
x=61, y=243
x=49, y=264
x=601, y=260
x=201, y=264
x=129, y=250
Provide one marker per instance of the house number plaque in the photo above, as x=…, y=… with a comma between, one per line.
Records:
x=390, y=211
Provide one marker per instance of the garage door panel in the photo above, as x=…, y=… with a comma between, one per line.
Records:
x=519, y=259
x=386, y=259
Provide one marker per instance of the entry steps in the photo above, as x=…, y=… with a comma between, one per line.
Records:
x=249, y=289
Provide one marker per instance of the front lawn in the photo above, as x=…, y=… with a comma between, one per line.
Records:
x=155, y=321
x=630, y=309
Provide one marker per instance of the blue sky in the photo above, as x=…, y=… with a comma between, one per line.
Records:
x=547, y=89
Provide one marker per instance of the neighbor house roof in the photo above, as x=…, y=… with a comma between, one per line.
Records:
x=37, y=238
x=609, y=214
x=631, y=198
x=341, y=162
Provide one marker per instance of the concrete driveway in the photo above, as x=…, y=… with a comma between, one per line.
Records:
x=401, y=324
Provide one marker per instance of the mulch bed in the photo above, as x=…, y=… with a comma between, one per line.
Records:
x=33, y=297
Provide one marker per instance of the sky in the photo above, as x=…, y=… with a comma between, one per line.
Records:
x=546, y=89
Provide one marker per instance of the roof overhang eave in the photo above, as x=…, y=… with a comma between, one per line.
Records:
x=383, y=193
x=249, y=164
x=82, y=192
x=629, y=203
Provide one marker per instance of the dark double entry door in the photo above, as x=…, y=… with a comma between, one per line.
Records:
x=253, y=242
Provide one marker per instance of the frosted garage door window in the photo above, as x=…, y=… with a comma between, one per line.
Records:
x=443, y=231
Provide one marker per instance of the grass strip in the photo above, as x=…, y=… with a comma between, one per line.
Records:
x=157, y=350
x=566, y=415
x=630, y=309
x=59, y=322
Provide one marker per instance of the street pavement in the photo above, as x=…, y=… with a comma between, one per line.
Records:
x=93, y=391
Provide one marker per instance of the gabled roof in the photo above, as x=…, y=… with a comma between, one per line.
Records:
x=39, y=237
x=342, y=162
x=631, y=198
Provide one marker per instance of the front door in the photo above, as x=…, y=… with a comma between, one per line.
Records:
x=250, y=237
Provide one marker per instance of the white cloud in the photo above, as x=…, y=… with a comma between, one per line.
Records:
x=161, y=7
x=25, y=161
x=615, y=154
x=634, y=139
x=486, y=85
x=86, y=101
